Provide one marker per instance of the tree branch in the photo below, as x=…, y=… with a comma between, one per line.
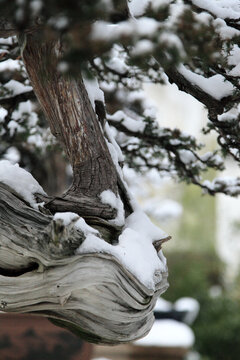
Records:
x=12, y=101
x=73, y=121
x=213, y=105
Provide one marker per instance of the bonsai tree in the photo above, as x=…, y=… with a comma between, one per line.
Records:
x=71, y=75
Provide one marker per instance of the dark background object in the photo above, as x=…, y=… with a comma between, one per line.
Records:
x=24, y=337
x=173, y=314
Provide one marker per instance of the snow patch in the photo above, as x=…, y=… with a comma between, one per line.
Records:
x=215, y=85
x=16, y=88
x=163, y=305
x=21, y=181
x=134, y=249
x=186, y=156
x=137, y=7
x=13, y=155
x=168, y=333
x=142, y=47
x=109, y=133
x=190, y=305
x=69, y=218
x=109, y=198
x=130, y=123
x=93, y=90
x=221, y=8
x=144, y=26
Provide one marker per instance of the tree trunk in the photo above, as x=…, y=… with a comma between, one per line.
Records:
x=71, y=118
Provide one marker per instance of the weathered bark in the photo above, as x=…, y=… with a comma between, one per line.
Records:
x=93, y=295
x=71, y=118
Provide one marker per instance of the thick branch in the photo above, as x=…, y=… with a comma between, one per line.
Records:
x=213, y=105
x=72, y=119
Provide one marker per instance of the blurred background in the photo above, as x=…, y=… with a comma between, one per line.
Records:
x=198, y=317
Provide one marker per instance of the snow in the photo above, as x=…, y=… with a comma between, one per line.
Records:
x=134, y=249
x=2, y=51
x=21, y=181
x=230, y=115
x=26, y=108
x=221, y=8
x=230, y=184
x=186, y=156
x=130, y=123
x=226, y=32
x=185, y=304
x=3, y=114
x=109, y=133
x=156, y=4
x=10, y=65
x=69, y=218
x=215, y=158
x=105, y=31
x=13, y=127
x=117, y=61
x=142, y=47
x=12, y=154
x=168, y=333
x=137, y=7
x=108, y=197
x=36, y=140
x=215, y=85
x=25, y=111
x=190, y=305
x=93, y=90
x=16, y=88
x=234, y=60
x=172, y=40
x=146, y=26
x=163, y=305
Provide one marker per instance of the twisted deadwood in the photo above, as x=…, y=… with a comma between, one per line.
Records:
x=93, y=295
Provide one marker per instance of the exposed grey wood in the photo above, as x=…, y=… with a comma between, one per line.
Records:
x=93, y=295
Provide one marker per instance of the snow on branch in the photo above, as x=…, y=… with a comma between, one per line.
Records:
x=21, y=181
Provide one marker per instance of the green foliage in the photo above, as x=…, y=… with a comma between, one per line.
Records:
x=217, y=329
x=192, y=274
x=217, y=326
